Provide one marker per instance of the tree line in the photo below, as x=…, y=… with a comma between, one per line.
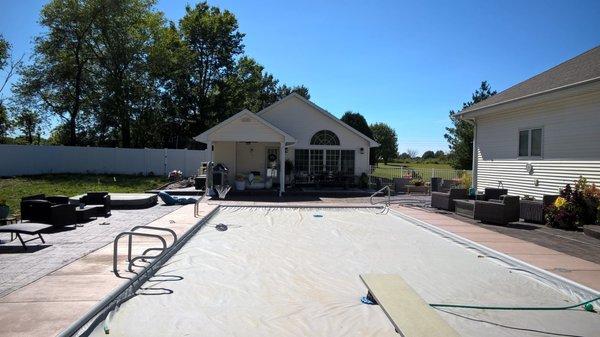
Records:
x=117, y=73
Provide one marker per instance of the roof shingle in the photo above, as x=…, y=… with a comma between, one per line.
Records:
x=580, y=68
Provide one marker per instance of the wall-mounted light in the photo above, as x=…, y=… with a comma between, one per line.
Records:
x=286, y=150
x=212, y=147
x=362, y=150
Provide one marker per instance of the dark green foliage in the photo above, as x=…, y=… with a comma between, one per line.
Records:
x=460, y=136
x=388, y=141
x=359, y=123
x=117, y=73
x=428, y=155
x=576, y=207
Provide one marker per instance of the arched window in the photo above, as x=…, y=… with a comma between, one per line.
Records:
x=324, y=137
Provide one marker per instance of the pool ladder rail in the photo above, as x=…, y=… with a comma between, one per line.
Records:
x=144, y=257
x=387, y=201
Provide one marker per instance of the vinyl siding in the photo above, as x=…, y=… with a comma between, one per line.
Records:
x=302, y=121
x=246, y=129
x=570, y=146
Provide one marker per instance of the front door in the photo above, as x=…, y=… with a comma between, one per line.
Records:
x=272, y=160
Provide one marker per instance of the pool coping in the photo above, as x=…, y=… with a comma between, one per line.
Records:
x=569, y=287
x=565, y=285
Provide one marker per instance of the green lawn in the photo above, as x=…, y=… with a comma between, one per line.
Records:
x=12, y=189
x=423, y=170
x=415, y=165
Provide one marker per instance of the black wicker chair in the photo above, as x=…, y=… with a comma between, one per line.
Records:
x=497, y=211
x=445, y=200
x=492, y=194
x=98, y=198
x=54, y=210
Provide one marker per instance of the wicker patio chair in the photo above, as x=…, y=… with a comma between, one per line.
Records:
x=498, y=211
x=445, y=200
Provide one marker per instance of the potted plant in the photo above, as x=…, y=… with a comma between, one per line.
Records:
x=4, y=209
x=289, y=168
x=240, y=182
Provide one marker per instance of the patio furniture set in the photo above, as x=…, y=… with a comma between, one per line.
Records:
x=493, y=206
x=40, y=213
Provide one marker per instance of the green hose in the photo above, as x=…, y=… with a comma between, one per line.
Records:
x=587, y=305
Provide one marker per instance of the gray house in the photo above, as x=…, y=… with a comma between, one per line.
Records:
x=537, y=136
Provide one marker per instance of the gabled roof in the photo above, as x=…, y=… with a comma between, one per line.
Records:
x=204, y=136
x=372, y=143
x=579, y=70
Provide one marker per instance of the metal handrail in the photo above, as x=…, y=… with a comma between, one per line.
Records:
x=197, y=205
x=130, y=234
x=99, y=311
x=389, y=192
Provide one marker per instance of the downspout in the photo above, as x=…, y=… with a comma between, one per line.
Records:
x=474, y=164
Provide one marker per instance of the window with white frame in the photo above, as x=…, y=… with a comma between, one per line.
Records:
x=530, y=142
x=316, y=161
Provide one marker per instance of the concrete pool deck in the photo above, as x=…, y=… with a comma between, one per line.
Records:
x=48, y=305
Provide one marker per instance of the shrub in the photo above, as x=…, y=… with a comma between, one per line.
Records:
x=575, y=207
x=363, y=181
x=466, y=180
x=417, y=182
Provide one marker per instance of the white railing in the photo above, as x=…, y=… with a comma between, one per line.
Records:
x=417, y=173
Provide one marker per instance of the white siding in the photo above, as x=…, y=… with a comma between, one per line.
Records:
x=570, y=148
x=246, y=129
x=302, y=120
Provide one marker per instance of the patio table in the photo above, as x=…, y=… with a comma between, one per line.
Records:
x=464, y=207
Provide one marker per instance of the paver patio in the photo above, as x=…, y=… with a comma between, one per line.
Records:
x=54, y=301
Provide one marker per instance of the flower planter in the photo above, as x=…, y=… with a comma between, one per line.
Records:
x=240, y=185
x=4, y=211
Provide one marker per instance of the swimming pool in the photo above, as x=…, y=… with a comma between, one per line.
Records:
x=295, y=272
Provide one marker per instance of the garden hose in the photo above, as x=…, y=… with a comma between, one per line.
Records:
x=587, y=305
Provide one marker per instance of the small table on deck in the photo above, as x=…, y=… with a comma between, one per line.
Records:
x=465, y=207
x=6, y=221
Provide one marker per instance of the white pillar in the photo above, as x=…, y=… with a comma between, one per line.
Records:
x=281, y=167
x=209, y=145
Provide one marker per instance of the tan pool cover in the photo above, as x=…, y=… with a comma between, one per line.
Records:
x=285, y=272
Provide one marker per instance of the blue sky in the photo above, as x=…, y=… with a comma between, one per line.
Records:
x=400, y=62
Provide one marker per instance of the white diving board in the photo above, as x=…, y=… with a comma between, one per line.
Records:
x=409, y=313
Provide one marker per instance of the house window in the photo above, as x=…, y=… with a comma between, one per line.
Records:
x=332, y=160
x=530, y=142
x=324, y=137
x=347, y=162
x=316, y=161
x=301, y=160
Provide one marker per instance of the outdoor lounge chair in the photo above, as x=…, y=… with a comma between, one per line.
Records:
x=53, y=210
x=498, y=211
x=97, y=198
x=28, y=228
x=170, y=200
x=445, y=200
x=492, y=194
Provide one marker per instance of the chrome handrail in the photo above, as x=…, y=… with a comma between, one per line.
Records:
x=389, y=192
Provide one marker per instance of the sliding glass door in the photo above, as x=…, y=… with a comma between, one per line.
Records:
x=317, y=161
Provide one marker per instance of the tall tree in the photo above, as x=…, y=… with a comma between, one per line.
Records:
x=358, y=122
x=125, y=32
x=4, y=121
x=460, y=136
x=61, y=76
x=387, y=139
x=428, y=155
x=29, y=123
x=213, y=41
x=284, y=90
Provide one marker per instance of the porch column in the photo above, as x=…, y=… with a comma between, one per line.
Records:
x=209, y=149
x=281, y=167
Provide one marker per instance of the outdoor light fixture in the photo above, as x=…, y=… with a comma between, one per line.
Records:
x=362, y=150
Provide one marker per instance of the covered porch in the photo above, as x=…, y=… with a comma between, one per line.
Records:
x=253, y=150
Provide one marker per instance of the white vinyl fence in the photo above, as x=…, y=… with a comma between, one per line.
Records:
x=34, y=159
